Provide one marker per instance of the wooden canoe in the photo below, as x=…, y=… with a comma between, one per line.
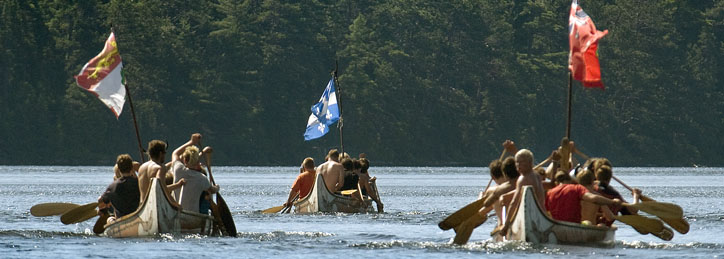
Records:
x=321, y=200
x=157, y=215
x=535, y=226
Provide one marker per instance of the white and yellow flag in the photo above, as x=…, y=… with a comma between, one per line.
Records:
x=102, y=77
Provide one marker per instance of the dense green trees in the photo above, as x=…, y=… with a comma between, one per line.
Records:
x=421, y=82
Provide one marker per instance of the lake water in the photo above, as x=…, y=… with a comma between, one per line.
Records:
x=416, y=199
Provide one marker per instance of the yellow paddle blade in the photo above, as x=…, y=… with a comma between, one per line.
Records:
x=100, y=225
x=348, y=192
x=79, y=214
x=641, y=223
x=659, y=209
x=276, y=209
x=665, y=234
x=461, y=215
x=680, y=224
x=51, y=209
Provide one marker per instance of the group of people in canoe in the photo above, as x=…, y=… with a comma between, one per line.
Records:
x=186, y=183
x=342, y=175
x=579, y=194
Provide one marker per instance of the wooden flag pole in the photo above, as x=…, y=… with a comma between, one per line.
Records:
x=135, y=124
x=340, y=124
x=570, y=101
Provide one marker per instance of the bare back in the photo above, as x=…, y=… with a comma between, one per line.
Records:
x=147, y=171
x=532, y=179
x=331, y=172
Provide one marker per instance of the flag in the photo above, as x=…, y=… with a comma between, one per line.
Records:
x=324, y=114
x=102, y=77
x=583, y=41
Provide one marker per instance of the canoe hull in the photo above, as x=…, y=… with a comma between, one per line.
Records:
x=535, y=226
x=156, y=216
x=321, y=200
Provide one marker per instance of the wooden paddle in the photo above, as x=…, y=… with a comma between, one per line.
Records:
x=289, y=208
x=51, y=209
x=80, y=213
x=678, y=223
x=641, y=223
x=223, y=210
x=276, y=209
x=100, y=225
x=659, y=209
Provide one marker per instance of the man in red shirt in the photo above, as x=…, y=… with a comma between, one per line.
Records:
x=564, y=201
x=304, y=182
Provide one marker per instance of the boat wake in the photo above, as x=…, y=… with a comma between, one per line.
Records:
x=670, y=246
x=33, y=234
x=488, y=247
x=283, y=235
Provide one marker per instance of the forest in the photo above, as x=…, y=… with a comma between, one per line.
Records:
x=421, y=83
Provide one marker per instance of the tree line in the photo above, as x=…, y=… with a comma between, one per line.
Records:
x=439, y=83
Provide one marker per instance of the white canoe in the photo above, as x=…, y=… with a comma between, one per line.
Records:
x=535, y=226
x=156, y=215
x=321, y=200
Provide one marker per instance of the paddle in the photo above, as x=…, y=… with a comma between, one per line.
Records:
x=100, y=225
x=678, y=223
x=641, y=223
x=659, y=209
x=80, y=213
x=289, y=208
x=276, y=209
x=51, y=209
x=223, y=210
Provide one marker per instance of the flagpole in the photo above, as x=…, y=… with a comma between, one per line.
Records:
x=570, y=101
x=133, y=111
x=340, y=124
x=135, y=124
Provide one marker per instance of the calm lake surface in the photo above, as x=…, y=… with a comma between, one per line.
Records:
x=416, y=199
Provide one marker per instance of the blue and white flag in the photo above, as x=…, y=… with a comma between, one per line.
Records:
x=324, y=114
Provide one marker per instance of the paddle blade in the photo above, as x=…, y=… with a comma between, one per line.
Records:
x=642, y=224
x=348, y=192
x=79, y=214
x=660, y=209
x=226, y=218
x=100, y=225
x=51, y=209
x=665, y=234
x=680, y=224
x=461, y=215
x=276, y=209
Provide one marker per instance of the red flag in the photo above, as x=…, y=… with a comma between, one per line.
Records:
x=102, y=77
x=583, y=41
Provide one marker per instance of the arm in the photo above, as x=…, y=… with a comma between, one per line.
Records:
x=600, y=200
x=292, y=194
x=195, y=140
x=512, y=209
x=176, y=185
x=213, y=189
x=340, y=178
x=144, y=183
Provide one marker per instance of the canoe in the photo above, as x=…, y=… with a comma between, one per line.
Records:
x=157, y=215
x=321, y=200
x=535, y=226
